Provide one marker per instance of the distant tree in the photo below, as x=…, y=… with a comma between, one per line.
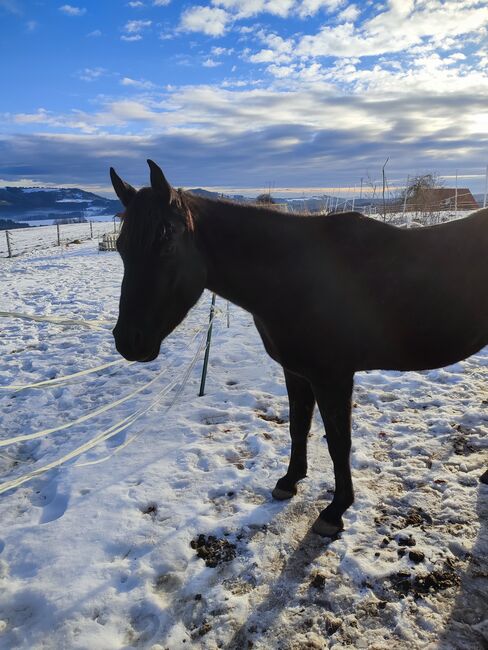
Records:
x=265, y=199
x=418, y=186
x=418, y=197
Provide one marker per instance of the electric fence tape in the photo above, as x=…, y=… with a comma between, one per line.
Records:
x=116, y=428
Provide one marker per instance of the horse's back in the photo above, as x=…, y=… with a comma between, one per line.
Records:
x=417, y=298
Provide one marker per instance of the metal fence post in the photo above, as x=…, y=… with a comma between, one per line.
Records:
x=9, y=247
x=207, y=348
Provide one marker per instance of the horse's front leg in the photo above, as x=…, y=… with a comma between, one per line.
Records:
x=334, y=401
x=302, y=403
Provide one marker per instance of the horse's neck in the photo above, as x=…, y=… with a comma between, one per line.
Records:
x=242, y=251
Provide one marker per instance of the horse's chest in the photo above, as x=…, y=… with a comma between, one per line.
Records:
x=289, y=350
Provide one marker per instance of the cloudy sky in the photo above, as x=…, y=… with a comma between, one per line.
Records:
x=243, y=93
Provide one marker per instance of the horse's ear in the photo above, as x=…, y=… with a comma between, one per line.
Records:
x=124, y=191
x=159, y=182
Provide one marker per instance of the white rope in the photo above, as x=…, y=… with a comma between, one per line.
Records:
x=104, y=435
x=90, y=414
x=63, y=378
x=95, y=324
x=170, y=406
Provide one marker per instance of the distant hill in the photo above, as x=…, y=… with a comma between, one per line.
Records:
x=8, y=224
x=38, y=203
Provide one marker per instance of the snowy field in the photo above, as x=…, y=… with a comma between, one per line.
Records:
x=103, y=552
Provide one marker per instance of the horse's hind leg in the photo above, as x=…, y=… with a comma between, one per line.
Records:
x=302, y=403
x=334, y=400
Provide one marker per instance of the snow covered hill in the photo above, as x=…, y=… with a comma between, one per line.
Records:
x=164, y=534
x=41, y=204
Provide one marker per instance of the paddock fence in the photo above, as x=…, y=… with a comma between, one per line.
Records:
x=25, y=240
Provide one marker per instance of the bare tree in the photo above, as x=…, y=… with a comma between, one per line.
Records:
x=265, y=199
x=418, y=196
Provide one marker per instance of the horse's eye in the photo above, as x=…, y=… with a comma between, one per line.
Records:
x=163, y=234
x=164, y=239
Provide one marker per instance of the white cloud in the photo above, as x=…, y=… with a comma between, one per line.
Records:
x=247, y=8
x=128, y=110
x=350, y=14
x=219, y=51
x=137, y=83
x=161, y=3
x=69, y=10
x=95, y=33
x=311, y=7
x=211, y=63
x=136, y=4
x=91, y=74
x=215, y=20
x=136, y=26
x=133, y=29
x=281, y=71
x=211, y=21
x=400, y=27
x=278, y=50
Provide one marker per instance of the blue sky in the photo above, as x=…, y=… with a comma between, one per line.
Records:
x=243, y=93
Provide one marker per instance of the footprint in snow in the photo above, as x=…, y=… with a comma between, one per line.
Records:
x=145, y=624
x=45, y=495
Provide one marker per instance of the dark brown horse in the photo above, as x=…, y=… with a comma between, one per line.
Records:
x=329, y=295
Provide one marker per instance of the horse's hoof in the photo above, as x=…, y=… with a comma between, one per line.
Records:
x=282, y=495
x=326, y=528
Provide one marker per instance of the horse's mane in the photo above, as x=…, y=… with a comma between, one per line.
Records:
x=180, y=199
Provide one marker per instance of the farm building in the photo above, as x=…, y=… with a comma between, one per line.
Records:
x=441, y=198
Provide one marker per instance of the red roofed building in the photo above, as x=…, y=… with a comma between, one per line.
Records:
x=442, y=198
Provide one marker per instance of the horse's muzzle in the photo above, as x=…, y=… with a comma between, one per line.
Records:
x=134, y=345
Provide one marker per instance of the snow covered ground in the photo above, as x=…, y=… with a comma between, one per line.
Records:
x=103, y=551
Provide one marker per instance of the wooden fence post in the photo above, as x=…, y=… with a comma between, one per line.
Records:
x=91, y=230
x=9, y=246
x=59, y=237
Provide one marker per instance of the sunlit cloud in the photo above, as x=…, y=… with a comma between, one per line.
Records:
x=137, y=83
x=207, y=20
x=69, y=10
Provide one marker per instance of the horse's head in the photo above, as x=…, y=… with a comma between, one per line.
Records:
x=164, y=274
